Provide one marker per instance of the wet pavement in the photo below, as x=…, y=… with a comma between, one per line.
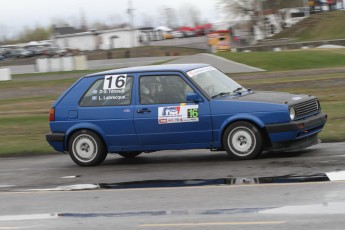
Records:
x=194, y=189
x=178, y=167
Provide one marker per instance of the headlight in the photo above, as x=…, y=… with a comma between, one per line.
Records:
x=292, y=113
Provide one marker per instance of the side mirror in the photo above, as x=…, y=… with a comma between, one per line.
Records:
x=193, y=97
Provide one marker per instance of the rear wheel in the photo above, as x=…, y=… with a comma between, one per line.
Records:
x=242, y=141
x=86, y=148
x=129, y=155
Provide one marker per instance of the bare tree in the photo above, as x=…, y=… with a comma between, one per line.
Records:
x=277, y=7
x=244, y=9
x=167, y=16
x=170, y=17
x=255, y=10
x=3, y=33
x=114, y=21
x=190, y=15
x=59, y=22
x=147, y=20
x=194, y=15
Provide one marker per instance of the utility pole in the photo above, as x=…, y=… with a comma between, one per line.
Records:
x=131, y=26
x=306, y=8
x=168, y=17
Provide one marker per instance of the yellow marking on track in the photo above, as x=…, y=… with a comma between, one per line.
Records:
x=214, y=224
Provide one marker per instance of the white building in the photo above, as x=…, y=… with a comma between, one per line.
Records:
x=105, y=39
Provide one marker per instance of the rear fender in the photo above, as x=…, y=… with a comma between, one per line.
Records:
x=88, y=126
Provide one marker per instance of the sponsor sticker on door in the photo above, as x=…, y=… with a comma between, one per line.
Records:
x=178, y=114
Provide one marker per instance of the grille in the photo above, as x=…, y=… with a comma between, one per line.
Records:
x=306, y=108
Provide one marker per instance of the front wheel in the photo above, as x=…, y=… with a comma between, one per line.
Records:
x=86, y=148
x=242, y=141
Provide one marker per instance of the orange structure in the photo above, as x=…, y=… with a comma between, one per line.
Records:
x=219, y=40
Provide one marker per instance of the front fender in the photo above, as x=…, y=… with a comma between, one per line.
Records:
x=239, y=117
x=84, y=125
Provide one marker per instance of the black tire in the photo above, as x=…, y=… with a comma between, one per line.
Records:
x=129, y=155
x=86, y=148
x=242, y=141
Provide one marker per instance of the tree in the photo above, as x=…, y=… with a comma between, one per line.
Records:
x=249, y=10
x=190, y=15
x=254, y=10
x=147, y=20
x=170, y=17
x=3, y=33
x=28, y=34
x=277, y=6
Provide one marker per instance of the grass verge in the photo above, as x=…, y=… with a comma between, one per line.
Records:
x=290, y=60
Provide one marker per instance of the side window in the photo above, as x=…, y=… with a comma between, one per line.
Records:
x=112, y=90
x=163, y=90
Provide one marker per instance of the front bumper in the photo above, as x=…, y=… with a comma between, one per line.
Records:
x=296, y=134
x=314, y=121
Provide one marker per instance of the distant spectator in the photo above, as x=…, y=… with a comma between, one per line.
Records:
x=272, y=29
x=311, y=4
x=330, y=4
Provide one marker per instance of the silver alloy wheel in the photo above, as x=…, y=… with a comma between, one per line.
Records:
x=242, y=141
x=84, y=148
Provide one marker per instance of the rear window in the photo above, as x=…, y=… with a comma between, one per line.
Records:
x=112, y=90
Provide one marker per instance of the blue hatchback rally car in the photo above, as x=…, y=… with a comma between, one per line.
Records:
x=143, y=109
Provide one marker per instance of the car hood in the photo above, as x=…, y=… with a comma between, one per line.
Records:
x=273, y=97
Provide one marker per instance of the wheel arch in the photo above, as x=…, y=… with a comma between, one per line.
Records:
x=250, y=119
x=85, y=126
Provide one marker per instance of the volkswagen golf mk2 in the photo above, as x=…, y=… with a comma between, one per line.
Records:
x=189, y=106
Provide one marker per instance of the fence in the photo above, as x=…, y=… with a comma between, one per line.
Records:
x=61, y=64
x=5, y=75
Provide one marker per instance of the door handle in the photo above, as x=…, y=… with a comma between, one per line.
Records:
x=145, y=110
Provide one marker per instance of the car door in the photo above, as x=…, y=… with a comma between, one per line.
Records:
x=164, y=120
x=108, y=106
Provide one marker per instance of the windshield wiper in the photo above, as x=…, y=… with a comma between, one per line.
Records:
x=237, y=90
x=220, y=94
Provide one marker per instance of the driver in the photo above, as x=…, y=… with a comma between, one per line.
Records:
x=149, y=91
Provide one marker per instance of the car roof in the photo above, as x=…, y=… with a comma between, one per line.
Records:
x=152, y=68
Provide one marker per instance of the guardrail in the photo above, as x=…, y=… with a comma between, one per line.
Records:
x=5, y=74
x=292, y=45
x=68, y=63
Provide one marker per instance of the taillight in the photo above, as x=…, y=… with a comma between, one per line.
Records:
x=52, y=114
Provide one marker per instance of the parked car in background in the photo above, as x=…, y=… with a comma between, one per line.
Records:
x=188, y=34
x=54, y=51
x=37, y=50
x=177, y=34
x=169, y=107
x=18, y=53
x=167, y=35
x=2, y=57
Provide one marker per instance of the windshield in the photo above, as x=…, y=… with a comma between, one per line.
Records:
x=213, y=82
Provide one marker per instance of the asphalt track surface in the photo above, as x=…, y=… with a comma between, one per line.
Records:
x=54, y=170
x=35, y=192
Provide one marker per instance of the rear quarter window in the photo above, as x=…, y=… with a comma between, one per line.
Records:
x=112, y=90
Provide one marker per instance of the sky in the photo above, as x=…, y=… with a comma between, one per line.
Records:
x=16, y=14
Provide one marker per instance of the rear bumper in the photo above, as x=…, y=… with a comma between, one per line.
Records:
x=56, y=140
x=55, y=137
